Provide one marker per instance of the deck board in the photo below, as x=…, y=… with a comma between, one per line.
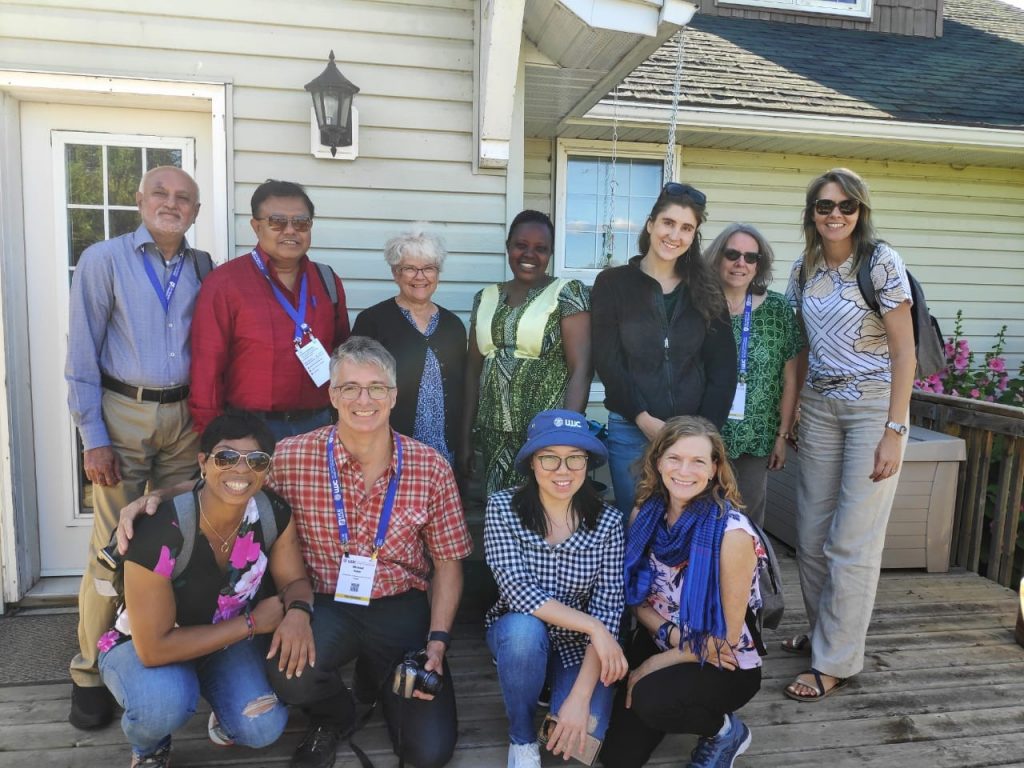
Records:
x=943, y=685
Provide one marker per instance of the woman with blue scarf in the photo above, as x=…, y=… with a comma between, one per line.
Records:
x=691, y=567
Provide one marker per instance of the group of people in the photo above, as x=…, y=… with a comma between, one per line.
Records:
x=312, y=540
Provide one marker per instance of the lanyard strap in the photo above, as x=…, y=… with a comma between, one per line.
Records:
x=339, y=499
x=298, y=316
x=162, y=293
x=745, y=335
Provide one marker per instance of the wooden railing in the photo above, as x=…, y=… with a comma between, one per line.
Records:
x=992, y=433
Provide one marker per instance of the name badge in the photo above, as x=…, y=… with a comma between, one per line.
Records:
x=316, y=361
x=739, y=402
x=355, y=579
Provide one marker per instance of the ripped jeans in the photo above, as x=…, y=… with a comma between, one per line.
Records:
x=159, y=700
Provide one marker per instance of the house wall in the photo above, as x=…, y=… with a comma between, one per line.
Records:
x=920, y=18
x=413, y=62
x=959, y=231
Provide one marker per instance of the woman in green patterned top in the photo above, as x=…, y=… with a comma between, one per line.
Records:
x=764, y=407
x=529, y=351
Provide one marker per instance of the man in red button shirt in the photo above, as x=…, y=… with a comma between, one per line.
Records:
x=265, y=323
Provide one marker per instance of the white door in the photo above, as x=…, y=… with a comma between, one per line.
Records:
x=81, y=167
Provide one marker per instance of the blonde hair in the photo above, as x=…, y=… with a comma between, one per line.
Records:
x=722, y=487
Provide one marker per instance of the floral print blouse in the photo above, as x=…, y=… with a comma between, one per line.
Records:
x=203, y=593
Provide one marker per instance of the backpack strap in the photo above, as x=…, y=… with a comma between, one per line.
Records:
x=202, y=262
x=185, y=508
x=754, y=627
x=867, y=288
x=267, y=520
x=327, y=278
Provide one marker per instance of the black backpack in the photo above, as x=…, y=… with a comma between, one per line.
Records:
x=928, y=339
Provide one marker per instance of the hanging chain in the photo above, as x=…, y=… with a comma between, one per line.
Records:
x=613, y=183
x=670, y=150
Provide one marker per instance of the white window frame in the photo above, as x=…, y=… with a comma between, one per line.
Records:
x=590, y=148
x=859, y=9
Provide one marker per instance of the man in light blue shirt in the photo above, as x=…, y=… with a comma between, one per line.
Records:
x=127, y=372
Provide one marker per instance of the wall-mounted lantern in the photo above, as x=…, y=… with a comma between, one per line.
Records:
x=336, y=120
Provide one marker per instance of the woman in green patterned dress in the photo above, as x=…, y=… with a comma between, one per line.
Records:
x=529, y=351
x=764, y=407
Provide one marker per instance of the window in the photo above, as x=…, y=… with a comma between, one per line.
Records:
x=860, y=9
x=586, y=204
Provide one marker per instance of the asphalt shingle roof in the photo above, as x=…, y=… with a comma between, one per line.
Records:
x=973, y=75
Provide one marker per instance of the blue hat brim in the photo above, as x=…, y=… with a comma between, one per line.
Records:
x=584, y=440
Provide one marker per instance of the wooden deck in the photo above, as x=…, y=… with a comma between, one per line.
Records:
x=943, y=686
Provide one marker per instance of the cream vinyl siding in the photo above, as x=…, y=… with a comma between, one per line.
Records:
x=413, y=62
x=539, y=155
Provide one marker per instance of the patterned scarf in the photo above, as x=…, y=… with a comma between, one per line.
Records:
x=695, y=538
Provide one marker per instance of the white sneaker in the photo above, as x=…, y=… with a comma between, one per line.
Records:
x=524, y=755
x=217, y=733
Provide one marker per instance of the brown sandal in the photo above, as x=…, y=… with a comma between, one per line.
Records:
x=820, y=691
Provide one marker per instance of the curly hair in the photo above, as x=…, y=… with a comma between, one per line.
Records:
x=723, y=487
x=763, y=276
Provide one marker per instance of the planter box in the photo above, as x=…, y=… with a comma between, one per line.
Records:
x=921, y=523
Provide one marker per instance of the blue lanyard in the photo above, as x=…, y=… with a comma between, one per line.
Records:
x=298, y=316
x=339, y=499
x=745, y=336
x=162, y=293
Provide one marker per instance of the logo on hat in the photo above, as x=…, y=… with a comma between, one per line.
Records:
x=557, y=421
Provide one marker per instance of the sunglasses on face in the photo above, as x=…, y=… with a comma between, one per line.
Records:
x=279, y=222
x=551, y=463
x=226, y=458
x=352, y=391
x=675, y=189
x=410, y=272
x=750, y=257
x=824, y=206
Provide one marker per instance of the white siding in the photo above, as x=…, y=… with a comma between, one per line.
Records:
x=538, y=175
x=413, y=62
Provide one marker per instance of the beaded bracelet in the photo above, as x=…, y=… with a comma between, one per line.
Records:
x=250, y=624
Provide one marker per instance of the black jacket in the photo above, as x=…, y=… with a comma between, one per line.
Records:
x=385, y=323
x=667, y=367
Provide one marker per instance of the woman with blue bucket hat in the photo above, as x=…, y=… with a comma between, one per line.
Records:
x=555, y=550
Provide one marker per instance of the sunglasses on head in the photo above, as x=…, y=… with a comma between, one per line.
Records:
x=675, y=189
x=750, y=257
x=279, y=222
x=226, y=458
x=824, y=206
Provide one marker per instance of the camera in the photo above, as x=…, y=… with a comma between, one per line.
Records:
x=109, y=557
x=410, y=676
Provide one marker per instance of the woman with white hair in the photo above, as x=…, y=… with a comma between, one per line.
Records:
x=427, y=341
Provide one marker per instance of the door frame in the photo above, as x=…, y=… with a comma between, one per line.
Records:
x=19, y=469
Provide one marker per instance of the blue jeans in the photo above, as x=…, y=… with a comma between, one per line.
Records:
x=519, y=642
x=282, y=428
x=159, y=700
x=626, y=444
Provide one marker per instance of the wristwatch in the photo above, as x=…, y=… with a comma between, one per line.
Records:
x=440, y=636
x=301, y=605
x=895, y=426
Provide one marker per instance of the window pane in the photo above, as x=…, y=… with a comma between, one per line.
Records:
x=645, y=178
x=157, y=157
x=124, y=169
x=85, y=227
x=582, y=176
x=581, y=214
x=580, y=250
x=84, y=171
x=123, y=222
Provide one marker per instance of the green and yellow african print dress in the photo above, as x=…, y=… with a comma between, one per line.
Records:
x=524, y=371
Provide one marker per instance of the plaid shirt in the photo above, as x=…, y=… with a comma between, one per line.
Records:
x=427, y=518
x=583, y=572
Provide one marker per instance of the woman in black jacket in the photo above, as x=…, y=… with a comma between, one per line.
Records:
x=427, y=341
x=661, y=333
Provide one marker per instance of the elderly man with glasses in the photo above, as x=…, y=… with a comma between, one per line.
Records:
x=267, y=321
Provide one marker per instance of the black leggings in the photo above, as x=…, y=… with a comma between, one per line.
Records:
x=683, y=698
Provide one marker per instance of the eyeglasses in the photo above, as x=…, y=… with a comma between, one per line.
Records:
x=225, y=458
x=675, y=189
x=352, y=391
x=824, y=206
x=410, y=271
x=750, y=257
x=278, y=222
x=551, y=463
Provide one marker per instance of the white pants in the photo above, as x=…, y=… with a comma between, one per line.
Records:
x=841, y=521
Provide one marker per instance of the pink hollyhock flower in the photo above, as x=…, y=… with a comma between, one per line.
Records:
x=949, y=348
x=975, y=393
x=165, y=565
x=997, y=364
x=228, y=606
x=960, y=363
x=245, y=551
x=962, y=345
x=954, y=393
x=107, y=640
x=991, y=398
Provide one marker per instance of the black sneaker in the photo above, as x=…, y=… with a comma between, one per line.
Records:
x=318, y=748
x=91, y=708
x=159, y=759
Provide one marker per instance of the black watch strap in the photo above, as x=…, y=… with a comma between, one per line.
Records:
x=301, y=605
x=440, y=636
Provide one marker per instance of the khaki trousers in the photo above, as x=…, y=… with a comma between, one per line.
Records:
x=156, y=447
x=841, y=520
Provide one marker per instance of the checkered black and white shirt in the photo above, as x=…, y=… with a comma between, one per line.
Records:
x=583, y=572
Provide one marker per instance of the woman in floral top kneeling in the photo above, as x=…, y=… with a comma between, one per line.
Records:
x=691, y=567
x=206, y=628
